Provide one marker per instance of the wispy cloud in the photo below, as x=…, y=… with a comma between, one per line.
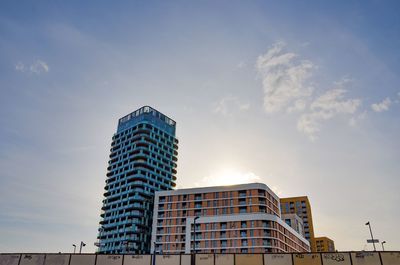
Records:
x=288, y=86
x=284, y=77
x=354, y=120
x=227, y=105
x=325, y=107
x=20, y=67
x=241, y=65
x=382, y=106
x=298, y=106
x=38, y=67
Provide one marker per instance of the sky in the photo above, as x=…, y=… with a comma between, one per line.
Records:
x=301, y=95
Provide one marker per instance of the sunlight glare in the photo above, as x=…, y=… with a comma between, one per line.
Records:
x=229, y=176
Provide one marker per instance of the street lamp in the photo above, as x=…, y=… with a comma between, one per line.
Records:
x=154, y=254
x=125, y=246
x=82, y=245
x=383, y=248
x=74, y=247
x=372, y=237
x=194, y=237
x=194, y=240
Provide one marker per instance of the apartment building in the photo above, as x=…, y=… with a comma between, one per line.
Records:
x=242, y=218
x=301, y=207
x=142, y=160
x=324, y=244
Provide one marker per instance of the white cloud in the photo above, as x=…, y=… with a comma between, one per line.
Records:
x=284, y=77
x=288, y=85
x=228, y=104
x=382, y=106
x=20, y=67
x=325, y=107
x=353, y=121
x=298, y=106
x=241, y=65
x=37, y=67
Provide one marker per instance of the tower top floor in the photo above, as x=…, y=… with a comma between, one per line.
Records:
x=147, y=114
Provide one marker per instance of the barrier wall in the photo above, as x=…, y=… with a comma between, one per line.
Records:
x=57, y=259
x=186, y=260
x=10, y=259
x=221, y=259
x=137, y=259
x=307, y=259
x=390, y=258
x=204, y=259
x=245, y=259
x=278, y=259
x=365, y=258
x=335, y=258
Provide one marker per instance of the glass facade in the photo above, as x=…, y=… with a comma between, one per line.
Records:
x=143, y=159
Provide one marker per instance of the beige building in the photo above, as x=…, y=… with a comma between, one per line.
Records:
x=301, y=207
x=324, y=244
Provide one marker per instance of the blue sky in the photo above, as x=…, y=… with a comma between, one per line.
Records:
x=301, y=95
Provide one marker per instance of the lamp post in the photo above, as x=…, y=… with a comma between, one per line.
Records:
x=383, y=248
x=372, y=237
x=194, y=236
x=82, y=245
x=74, y=247
x=194, y=240
x=154, y=254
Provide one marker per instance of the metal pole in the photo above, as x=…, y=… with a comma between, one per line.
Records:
x=383, y=248
x=82, y=245
x=372, y=237
x=154, y=254
x=194, y=236
x=194, y=240
x=74, y=247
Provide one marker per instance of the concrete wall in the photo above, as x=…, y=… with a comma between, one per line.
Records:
x=335, y=258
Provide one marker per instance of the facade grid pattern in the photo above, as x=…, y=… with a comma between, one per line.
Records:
x=232, y=219
x=143, y=159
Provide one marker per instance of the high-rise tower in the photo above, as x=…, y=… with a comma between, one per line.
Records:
x=143, y=159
